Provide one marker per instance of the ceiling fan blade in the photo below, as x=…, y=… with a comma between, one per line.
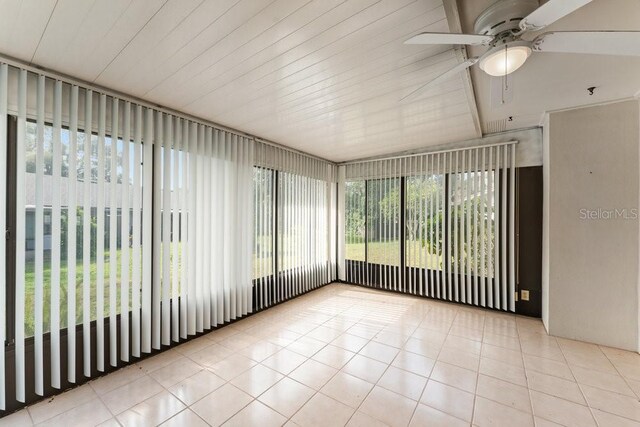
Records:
x=441, y=78
x=549, y=13
x=449, y=38
x=624, y=43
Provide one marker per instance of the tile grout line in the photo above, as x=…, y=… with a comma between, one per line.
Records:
x=475, y=392
x=624, y=378
x=593, y=417
x=311, y=358
x=436, y=361
x=524, y=366
x=580, y=386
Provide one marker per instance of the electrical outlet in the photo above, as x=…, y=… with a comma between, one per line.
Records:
x=524, y=295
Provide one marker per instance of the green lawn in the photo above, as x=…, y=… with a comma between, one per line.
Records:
x=379, y=252
x=30, y=282
x=264, y=266
x=30, y=290
x=389, y=253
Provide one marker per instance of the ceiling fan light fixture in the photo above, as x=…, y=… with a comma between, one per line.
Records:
x=505, y=59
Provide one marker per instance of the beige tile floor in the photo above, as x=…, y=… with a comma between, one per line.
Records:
x=345, y=355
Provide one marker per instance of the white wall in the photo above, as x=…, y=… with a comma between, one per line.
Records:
x=590, y=266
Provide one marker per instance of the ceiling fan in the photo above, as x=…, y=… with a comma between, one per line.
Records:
x=501, y=27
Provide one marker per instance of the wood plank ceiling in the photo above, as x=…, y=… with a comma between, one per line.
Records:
x=321, y=76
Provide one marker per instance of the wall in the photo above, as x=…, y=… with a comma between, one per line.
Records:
x=545, y=223
x=591, y=265
x=529, y=234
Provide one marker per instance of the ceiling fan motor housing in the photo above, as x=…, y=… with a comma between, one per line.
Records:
x=503, y=17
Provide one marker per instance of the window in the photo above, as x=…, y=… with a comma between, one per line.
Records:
x=424, y=243
x=39, y=220
x=472, y=209
x=438, y=225
x=263, y=258
x=140, y=255
x=383, y=221
x=302, y=226
x=293, y=225
x=355, y=220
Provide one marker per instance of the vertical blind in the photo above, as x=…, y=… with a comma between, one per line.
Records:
x=439, y=225
x=295, y=224
x=137, y=227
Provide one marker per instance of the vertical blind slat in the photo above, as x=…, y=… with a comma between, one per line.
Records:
x=147, y=236
x=490, y=229
x=220, y=216
x=20, y=236
x=512, y=232
x=191, y=227
x=56, y=232
x=166, y=230
x=476, y=259
x=453, y=204
x=136, y=274
x=39, y=242
x=438, y=232
x=157, y=247
x=100, y=312
x=447, y=200
x=4, y=71
x=503, y=229
x=469, y=209
x=125, y=235
x=463, y=230
x=384, y=184
x=175, y=229
x=199, y=250
x=86, y=234
x=102, y=106
x=184, y=226
x=412, y=219
x=208, y=309
x=422, y=203
x=72, y=214
x=433, y=263
x=113, y=235
x=496, y=215
x=483, y=192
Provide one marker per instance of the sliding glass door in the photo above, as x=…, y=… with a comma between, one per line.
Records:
x=355, y=227
x=264, y=259
x=437, y=225
x=294, y=224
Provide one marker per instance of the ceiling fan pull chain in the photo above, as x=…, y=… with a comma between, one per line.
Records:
x=506, y=64
x=504, y=77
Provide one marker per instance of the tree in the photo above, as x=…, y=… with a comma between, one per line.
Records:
x=427, y=225
x=355, y=209
x=79, y=232
x=32, y=145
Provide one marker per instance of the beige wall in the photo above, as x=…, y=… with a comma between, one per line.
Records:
x=590, y=273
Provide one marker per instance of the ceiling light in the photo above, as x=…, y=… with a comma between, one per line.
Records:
x=505, y=59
